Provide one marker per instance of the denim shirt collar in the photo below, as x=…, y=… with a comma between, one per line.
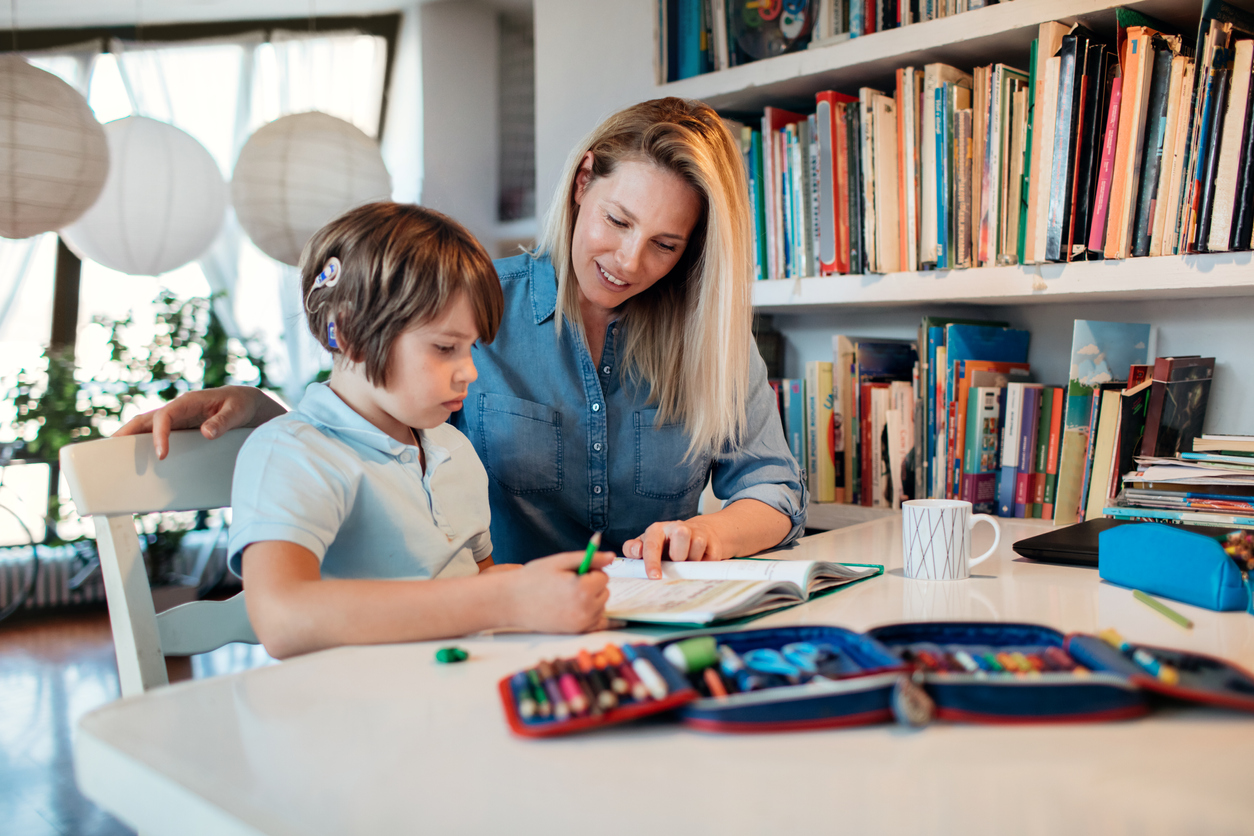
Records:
x=543, y=288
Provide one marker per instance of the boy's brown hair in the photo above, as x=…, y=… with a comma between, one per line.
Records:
x=401, y=266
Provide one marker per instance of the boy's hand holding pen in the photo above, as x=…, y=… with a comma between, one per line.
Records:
x=552, y=596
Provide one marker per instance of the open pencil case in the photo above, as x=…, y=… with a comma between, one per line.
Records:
x=865, y=678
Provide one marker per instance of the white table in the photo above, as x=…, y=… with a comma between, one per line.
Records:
x=383, y=740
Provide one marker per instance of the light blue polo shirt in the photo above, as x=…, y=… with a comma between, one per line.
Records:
x=327, y=479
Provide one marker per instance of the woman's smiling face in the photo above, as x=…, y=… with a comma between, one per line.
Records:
x=631, y=230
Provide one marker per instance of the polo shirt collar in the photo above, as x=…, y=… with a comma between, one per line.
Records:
x=322, y=406
x=543, y=288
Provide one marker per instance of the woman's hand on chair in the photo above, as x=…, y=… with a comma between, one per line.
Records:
x=213, y=411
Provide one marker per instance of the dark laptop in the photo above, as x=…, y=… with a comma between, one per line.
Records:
x=1077, y=544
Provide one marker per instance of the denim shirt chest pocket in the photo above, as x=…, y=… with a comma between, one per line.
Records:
x=521, y=442
x=662, y=472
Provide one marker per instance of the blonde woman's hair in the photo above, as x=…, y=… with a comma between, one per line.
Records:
x=689, y=336
x=401, y=267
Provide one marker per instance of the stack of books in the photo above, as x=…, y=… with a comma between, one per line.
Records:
x=1097, y=149
x=1212, y=485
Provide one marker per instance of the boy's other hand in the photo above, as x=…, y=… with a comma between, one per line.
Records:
x=214, y=411
x=550, y=597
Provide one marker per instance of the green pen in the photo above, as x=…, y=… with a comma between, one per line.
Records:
x=593, y=542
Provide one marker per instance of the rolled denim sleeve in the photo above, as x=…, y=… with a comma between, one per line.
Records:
x=762, y=467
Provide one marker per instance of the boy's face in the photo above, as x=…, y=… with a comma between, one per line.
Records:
x=429, y=370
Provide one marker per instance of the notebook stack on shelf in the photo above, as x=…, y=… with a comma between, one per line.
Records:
x=1213, y=485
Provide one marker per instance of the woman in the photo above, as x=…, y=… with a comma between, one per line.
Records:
x=624, y=374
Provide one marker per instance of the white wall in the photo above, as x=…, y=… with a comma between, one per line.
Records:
x=595, y=56
x=459, y=131
x=402, y=132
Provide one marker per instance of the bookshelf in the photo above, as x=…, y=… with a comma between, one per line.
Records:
x=594, y=58
x=1165, y=278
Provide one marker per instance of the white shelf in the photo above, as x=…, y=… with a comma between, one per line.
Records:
x=1168, y=277
x=996, y=33
x=826, y=516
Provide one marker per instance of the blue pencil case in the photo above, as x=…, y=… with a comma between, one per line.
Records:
x=1174, y=563
x=810, y=677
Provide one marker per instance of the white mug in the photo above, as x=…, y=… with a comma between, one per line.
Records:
x=936, y=538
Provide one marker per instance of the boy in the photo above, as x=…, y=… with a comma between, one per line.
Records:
x=361, y=516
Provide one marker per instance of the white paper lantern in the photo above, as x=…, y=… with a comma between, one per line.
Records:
x=161, y=207
x=53, y=155
x=299, y=172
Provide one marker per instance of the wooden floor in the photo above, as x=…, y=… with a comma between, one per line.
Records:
x=54, y=668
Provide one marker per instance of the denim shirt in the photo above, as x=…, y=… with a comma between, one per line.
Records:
x=571, y=448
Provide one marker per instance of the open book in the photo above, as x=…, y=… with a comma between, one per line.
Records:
x=701, y=593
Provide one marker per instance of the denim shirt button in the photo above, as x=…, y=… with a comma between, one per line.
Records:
x=605, y=369
x=596, y=489
x=596, y=407
x=597, y=447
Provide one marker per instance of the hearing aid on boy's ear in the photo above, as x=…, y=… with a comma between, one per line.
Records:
x=331, y=343
x=330, y=274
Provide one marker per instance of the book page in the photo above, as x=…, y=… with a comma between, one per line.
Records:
x=794, y=571
x=690, y=601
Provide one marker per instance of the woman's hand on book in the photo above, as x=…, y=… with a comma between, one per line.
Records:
x=694, y=539
x=213, y=411
x=549, y=597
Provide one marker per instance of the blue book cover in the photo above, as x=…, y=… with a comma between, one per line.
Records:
x=982, y=342
x=793, y=390
x=935, y=339
x=689, y=37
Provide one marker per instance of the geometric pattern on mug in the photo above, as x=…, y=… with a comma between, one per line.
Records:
x=929, y=557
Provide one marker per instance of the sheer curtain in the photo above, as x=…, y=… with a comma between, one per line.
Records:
x=220, y=92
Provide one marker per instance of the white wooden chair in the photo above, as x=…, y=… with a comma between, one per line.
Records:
x=113, y=479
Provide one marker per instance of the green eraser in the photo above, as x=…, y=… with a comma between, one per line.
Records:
x=448, y=655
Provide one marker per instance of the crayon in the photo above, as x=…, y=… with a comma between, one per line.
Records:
x=611, y=674
x=1007, y=662
x=1035, y=661
x=522, y=695
x=1162, y=609
x=614, y=654
x=639, y=691
x=1021, y=662
x=561, y=711
x=602, y=693
x=647, y=673
x=715, y=683
x=584, y=685
x=993, y=663
x=543, y=707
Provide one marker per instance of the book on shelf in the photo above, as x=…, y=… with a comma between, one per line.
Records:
x=819, y=417
x=1214, y=441
x=1231, y=144
x=703, y=593
x=1177, y=404
x=1100, y=351
x=793, y=408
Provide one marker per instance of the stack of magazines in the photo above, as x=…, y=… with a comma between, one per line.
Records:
x=1213, y=485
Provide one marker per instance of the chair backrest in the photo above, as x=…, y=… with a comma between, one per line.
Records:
x=113, y=479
